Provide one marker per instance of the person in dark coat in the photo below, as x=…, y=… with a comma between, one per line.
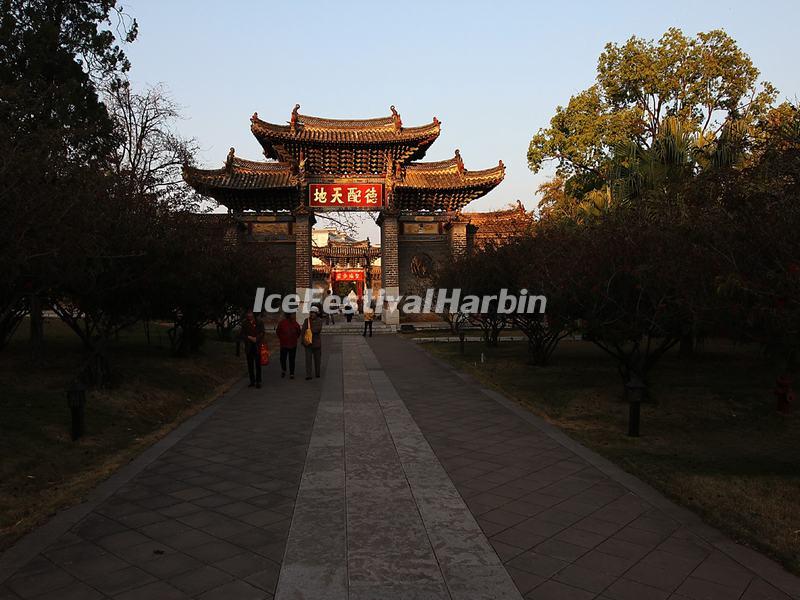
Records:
x=314, y=349
x=369, y=317
x=252, y=334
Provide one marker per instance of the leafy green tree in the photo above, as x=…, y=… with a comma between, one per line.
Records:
x=680, y=93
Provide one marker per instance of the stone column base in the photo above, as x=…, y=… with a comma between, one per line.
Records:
x=391, y=312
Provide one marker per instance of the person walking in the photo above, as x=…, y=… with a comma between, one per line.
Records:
x=369, y=315
x=252, y=334
x=313, y=346
x=348, y=311
x=288, y=331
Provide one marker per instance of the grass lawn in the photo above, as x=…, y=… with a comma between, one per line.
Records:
x=41, y=469
x=711, y=439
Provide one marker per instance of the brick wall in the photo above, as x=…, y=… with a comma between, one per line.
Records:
x=282, y=262
x=389, y=254
x=302, y=232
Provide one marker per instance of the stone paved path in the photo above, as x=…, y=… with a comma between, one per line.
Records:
x=390, y=477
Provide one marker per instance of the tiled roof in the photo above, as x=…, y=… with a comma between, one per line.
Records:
x=344, y=147
x=241, y=174
x=313, y=147
x=245, y=184
x=449, y=175
x=350, y=131
x=444, y=185
x=336, y=250
x=516, y=213
x=499, y=224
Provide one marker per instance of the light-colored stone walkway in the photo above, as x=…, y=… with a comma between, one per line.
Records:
x=376, y=515
x=392, y=476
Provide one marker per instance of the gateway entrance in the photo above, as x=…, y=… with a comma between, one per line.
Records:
x=316, y=164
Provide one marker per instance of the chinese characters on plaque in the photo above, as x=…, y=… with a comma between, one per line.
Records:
x=351, y=195
x=348, y=275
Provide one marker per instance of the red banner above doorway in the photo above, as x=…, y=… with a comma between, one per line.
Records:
x=352, y=275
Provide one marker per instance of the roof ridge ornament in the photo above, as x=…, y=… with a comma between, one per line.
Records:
x=459, y=161
x=294, y=120
x=436, y=121
x=229, y=159
x=398, y=122
x=254, y=118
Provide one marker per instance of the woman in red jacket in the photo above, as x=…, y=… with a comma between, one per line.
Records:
x=288, y=331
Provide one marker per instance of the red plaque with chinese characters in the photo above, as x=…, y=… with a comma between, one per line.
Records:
x=349, y=275
x=342, y=196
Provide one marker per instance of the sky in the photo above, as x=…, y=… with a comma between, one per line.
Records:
x=492, y=72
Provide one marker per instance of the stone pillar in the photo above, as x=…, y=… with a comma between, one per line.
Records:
x=390, y=274
x=303, y=223
x=457, y=238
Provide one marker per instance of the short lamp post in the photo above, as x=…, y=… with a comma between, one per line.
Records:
x=76, y=400
x=634, y=392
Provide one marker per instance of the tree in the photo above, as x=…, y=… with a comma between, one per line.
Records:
x=638, y=280
x=757, y=241
x=705, y=87
x=55, y=135
x=101, y=286
x=451, y=276
x=545, y=271
x=205, y=278
x=480, y=273
x=150, y=155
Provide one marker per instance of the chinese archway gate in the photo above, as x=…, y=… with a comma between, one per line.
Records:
x=316, y=165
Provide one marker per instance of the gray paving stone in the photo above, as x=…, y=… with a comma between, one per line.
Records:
x=28, y=586
x=524, y=581
x=170, y=565
x=158, y=589
x=505, y=551
x=760, y=590
x=585, y=578
x=75, y=591
x=554, y=590
x=538, y=564
x=201, y=580
x=266, y=578
x=96, y=526
x=720, y=569
x=214, y=551
x=7, y=594
x=123, y=580
x=561, y=550
x=145, y=552
x=388, y=486
x=700, y=589
x=625, y=589
x=665, y=580
x=123, y=539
